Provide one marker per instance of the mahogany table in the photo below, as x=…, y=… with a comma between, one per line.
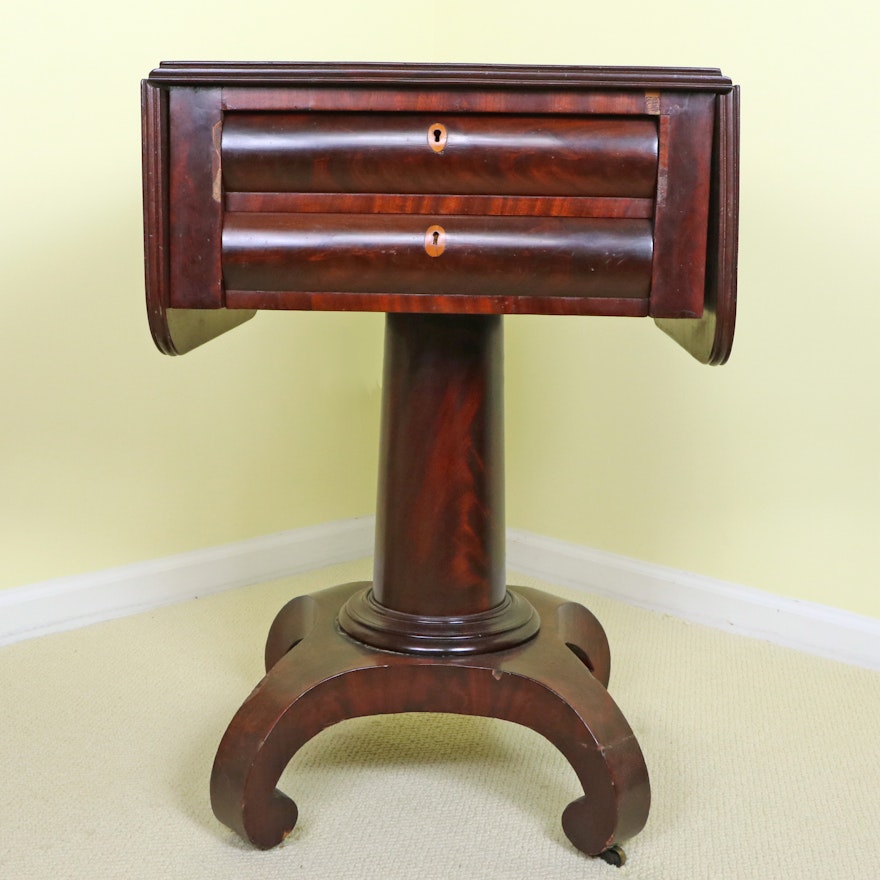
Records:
x=446, y=197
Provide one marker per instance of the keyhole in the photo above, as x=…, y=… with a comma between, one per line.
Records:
x=437, y=136
x=435, y=240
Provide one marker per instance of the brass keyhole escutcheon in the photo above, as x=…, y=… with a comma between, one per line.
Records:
x=437, y=136
x=435, y=241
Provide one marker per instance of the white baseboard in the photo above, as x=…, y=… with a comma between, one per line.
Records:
x=806, y=626
x=70, y=602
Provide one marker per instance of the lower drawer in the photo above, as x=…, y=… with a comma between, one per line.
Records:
x=450, y=255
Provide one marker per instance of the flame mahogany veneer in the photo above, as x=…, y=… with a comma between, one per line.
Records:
x=445, y=196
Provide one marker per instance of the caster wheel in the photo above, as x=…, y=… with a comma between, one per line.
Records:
x=614, y=855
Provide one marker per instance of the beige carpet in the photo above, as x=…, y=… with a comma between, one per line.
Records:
x=765, y=763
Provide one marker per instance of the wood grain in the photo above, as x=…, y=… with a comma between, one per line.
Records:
x=385, y=254
x=483, y=154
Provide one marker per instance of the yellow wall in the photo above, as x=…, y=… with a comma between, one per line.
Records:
x=764, y=472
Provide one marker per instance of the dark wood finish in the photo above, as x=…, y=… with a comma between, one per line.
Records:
x=444, y=205
x=447, y=197
x=175, y=331
x=474, y=77
x=438, y=98
x=438, y=303
x=196, y=198
x=439, y=575
x=441, y=466
x=710, y=338
x=682, y=208
x=437, y=630
x=553, y=684
x=385, y=254
x=483, y=154
x=271, y=154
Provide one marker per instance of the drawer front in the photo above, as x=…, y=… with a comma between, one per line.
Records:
x=477, y=154
x=448, y=256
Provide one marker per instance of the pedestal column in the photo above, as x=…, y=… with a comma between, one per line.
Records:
x=439, y=572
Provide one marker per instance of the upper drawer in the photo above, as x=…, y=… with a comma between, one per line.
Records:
x=475, y=154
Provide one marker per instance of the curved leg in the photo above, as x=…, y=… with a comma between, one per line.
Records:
x=543, y=684
x=303, y=649
x=584, y=723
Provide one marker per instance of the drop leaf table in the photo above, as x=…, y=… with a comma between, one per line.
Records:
x=446, y=197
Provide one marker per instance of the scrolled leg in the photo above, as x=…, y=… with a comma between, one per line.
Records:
x=585, y=724
x=304, y=654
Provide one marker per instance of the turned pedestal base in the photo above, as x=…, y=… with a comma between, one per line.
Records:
x=437, y=630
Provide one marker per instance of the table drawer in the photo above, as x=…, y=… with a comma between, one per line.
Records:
x=476, y=154
x=447, y=256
